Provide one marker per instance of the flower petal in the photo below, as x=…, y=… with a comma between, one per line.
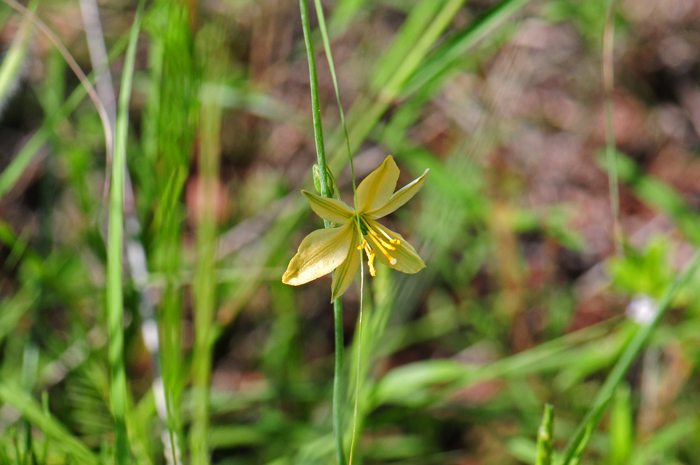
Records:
x=399, y=198
x=333, y=210
x=346, y=272
x=376, y=189
x=407, y=259
x=319, y=253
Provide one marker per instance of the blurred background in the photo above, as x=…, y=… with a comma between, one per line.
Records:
x=523, y=301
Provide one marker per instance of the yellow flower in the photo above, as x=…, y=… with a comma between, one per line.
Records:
x=337, y=248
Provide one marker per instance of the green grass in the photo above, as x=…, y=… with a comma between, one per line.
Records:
x=114, y=285
x=147, y=323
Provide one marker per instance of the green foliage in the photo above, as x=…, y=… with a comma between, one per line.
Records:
x=214, y=141
x=649, y=271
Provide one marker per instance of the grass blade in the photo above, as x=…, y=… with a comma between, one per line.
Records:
x=610, y=152
x=414, y=59
x=417, y=21
x=12, y=63
x=115, y=300
x=456, y=47
x=621, y=427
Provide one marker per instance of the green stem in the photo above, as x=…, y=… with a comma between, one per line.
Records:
x=608, y=86
x=357, y=374
x=336, y=407
x=331, y=66
x=325, y=192
x=338, y=381
x=315, y=105
x=115, y=301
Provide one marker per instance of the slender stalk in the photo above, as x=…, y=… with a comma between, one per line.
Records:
x=115, y=305
x=359, y=359
x=585, y=428
x=331, y=65
x=325, y=192
x=338, y=390
x=315, y=103
x=611, y=157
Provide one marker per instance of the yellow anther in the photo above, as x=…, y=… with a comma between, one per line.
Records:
x=370, y=262
x=391, y=240
x=368, y=249
x=370, y=256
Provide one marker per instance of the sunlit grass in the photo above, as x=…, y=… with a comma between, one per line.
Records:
x=151, y=326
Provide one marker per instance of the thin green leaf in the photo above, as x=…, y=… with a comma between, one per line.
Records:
x=458, y=45
x=115, y=300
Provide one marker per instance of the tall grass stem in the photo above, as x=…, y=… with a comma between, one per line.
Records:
x=359, y=359
x=115, y=303
x=610, y=151
x=325, y=192
x=331, y=65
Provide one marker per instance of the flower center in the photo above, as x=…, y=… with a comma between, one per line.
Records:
x=379, y=240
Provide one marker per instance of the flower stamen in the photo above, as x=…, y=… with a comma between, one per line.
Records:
x=391, y=259
x=370, y=257
x=381, y=244
x=370, y=262
x=391, y=241
x=384, y=243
